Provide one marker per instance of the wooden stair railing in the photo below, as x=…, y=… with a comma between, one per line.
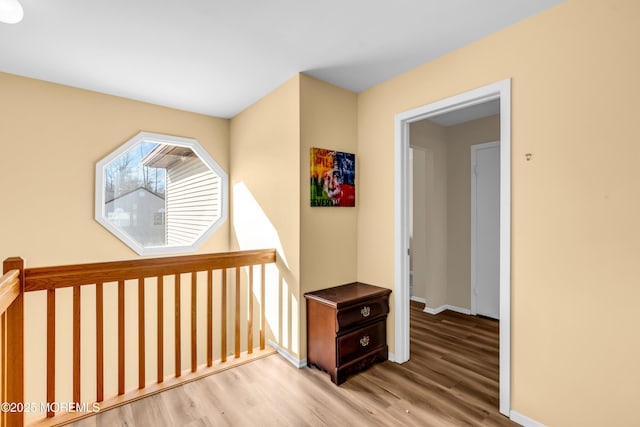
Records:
x=131, y=273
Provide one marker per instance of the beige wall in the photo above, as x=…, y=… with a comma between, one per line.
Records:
x=460, y=138
x=270, y=161
x=52, y=136
x=575, y=205
x=419, y=158
x=429, y=250
x=328, y=241
x=265, y=202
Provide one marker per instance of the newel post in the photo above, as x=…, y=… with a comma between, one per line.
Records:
x=15, y=345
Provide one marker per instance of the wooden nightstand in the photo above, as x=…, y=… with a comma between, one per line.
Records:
x=347, y=328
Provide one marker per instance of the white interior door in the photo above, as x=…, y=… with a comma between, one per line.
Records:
x=485, y=229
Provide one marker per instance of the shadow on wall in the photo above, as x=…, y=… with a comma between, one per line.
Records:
x=252, y=229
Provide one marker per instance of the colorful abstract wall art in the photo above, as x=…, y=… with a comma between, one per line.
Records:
x=333, y=178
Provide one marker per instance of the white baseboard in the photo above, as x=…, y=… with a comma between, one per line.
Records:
x=418, y=299
x=434, y=310
x=446, y=307
x=523, y=420
x=288, y=356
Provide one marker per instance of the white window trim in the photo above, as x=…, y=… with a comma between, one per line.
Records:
x=100, y=195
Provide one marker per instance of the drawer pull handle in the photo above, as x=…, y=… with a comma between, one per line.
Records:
x=364, y=341
x=366, y=311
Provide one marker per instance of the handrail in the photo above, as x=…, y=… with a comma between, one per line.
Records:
x=9, y=289
x=45, y=278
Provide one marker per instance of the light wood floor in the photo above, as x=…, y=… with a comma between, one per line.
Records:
x=451, y=380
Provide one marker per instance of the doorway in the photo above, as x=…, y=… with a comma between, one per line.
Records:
x=498, y=91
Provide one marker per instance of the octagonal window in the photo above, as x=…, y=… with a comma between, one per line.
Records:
x=160, y=194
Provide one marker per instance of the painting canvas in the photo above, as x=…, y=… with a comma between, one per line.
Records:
x=333, y=178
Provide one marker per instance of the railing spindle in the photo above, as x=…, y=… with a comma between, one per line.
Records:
x=160, y=329
x=237, y=322
x=120, y=337
x=141, y=337
x=177, y=326
x=51, y=348
x=99, y=343
x=209, y=318
x=76, y=343
x=223, y=317
x=250, y=321
x=262, y=309
x=194, y=324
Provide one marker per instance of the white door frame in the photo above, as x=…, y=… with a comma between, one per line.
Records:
x=499, y=90
x=474, y=153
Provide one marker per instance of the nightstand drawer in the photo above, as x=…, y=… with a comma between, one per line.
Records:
x=361, y=342
x=364, y=312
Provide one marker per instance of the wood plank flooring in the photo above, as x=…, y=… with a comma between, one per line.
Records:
x=451, y=380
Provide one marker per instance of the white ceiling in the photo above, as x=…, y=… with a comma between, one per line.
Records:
x=218, y=57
